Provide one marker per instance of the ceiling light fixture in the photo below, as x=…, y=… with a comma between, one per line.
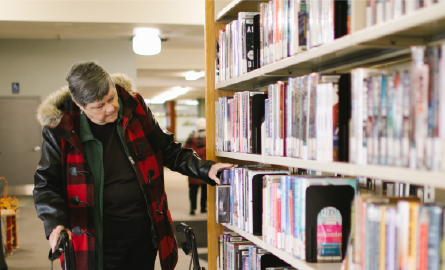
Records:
x=193, y=75
x=169, y=95
x=146, y=41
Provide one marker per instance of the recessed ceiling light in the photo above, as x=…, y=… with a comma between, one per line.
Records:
x=193, y=75
x=146, y=44
x=172, y=94
x=146, y=41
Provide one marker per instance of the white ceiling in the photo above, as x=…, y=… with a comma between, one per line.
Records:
x=182, y=50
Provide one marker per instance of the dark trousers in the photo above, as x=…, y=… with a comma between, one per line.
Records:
x=193, y=195
x=128, y=249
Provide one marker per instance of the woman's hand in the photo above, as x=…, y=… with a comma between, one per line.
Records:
x=219, y=167
x=54, y=236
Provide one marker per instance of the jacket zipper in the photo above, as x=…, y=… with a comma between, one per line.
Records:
x=133, y=163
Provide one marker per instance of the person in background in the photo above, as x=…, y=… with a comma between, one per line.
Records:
x=101, y=178
x=197, y=142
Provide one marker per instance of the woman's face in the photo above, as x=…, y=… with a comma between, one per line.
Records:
x=103, y=111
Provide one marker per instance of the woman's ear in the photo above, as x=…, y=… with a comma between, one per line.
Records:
x=78, y=105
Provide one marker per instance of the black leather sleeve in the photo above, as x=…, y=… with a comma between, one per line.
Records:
x=48, y=184
x=177, y=158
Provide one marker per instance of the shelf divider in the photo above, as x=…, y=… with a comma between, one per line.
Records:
x=290, y=259
x=388, y=173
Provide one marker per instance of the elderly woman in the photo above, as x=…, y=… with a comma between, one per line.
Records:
x=100, y=176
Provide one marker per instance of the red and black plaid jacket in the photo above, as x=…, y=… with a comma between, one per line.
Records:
x=63, y=172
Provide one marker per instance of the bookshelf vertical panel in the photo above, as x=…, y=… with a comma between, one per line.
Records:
x=211, y=35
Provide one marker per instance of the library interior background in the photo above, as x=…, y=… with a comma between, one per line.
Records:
x=333, y=110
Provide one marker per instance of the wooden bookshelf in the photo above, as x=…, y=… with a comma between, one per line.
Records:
x=387, y=173
x=365, y=47
x=290, y=259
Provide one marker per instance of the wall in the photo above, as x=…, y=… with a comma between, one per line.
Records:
x=40, y=65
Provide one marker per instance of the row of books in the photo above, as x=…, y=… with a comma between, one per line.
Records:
x=398, y=116
x=237, y=253
x=282, y=208
x=397, y=233
x=238, y=122
x=379, y=11
x=304, y=117
x=281, y=29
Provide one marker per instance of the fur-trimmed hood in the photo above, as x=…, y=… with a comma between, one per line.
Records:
x=48, y=112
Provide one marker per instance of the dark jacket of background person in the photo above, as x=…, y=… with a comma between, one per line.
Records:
x=197, y=142
x=63, y=172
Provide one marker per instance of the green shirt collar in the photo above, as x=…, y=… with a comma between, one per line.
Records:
x=85, y=131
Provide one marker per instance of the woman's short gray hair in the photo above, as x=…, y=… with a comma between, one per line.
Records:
x=88, y=82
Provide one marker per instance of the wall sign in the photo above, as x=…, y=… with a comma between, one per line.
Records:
x=15, y=88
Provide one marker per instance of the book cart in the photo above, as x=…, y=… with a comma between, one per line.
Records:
x=378, y=45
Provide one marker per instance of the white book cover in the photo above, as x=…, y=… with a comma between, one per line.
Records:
x=403, y=234
x=227, y=51
x=217, y=124
x=389, y=10
x=441, y=120
x=397, y=119
x=419, y=103
x=319, y=152
x=285, y=29
x=329, y=138
x=262, y=31
x=272, y=31
x=352, y=122
x=390, y=82
x=305, y=118
x=272, y=120
x=358, y=93
x=223, y=68
x=398, y=8
x=377, y=90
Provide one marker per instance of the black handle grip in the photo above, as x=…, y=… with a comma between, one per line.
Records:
x=183, y=228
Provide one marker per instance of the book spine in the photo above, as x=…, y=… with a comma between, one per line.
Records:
x=305, y=118
x=262, y=32
x=423, y=238
x=377, y=90
x=279, y=235
x=434, y=237
x=413, y=235
x=312, y=116
x=391, y=238
x=382, y=243
x=419, y=103
x=296, y=118
x=285, y=28
x=360, y=110
x=249, y=50
x=303, y=24
x=290, y=216
x=354, y=112
x=407, y=116
x=296, y=203
x=283, y=211
x=270, y=18
x=288, y=118
x=432, y=57
x=390, y=118
x=397, y=120
x=383, y=122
